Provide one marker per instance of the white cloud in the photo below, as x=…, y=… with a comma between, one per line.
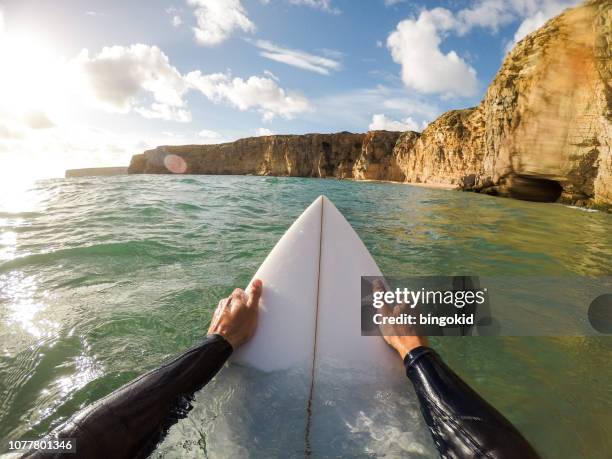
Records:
x=324, y=5
x=140, y=78
x=415, y=45
x=176, y=20
x=271, y=75
x=121, y=77
x=262, y=132
x=490, y=14
x=208, y=134
x=164, y=112
x=297, y=58
x=381, y=123
x=1, y=20
x=259, y=93
x=218, y=19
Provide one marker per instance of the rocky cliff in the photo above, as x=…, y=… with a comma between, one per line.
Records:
x=311, y=155
x=542, y=132
x=548, y=112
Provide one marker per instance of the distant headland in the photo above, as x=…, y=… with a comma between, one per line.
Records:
x=96, y=171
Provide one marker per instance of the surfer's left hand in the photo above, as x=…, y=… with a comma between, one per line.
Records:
x=236, y=316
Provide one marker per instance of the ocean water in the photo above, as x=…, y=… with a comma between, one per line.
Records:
x=104, y=278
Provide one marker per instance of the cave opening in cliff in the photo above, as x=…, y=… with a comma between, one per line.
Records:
x=530, y=188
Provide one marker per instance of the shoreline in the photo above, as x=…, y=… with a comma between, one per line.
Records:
x=433, y=186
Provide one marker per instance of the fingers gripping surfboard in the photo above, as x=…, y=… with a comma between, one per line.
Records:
x=307, y=383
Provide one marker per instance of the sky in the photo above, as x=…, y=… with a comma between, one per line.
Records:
x=87, y=83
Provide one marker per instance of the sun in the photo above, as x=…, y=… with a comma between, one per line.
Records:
x=36, y=84
x=33, y=74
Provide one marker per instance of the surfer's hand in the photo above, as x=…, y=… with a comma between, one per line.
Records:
x=397, y=336
x=236, y=316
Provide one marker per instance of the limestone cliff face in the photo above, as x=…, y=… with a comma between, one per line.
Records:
x=312, y=155
x=377, y=161
x=542, y=132
x=449, y=151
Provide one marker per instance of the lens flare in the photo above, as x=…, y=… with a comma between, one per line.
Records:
x=175, y=164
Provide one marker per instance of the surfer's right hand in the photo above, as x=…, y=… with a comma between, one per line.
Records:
x=399, y=337
x=236, y=316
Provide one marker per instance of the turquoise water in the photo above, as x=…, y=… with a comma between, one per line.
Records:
x=102, y=279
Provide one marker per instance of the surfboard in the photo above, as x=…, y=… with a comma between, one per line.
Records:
x=308, y=383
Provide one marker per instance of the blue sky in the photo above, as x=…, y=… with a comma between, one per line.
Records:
x=93, y=82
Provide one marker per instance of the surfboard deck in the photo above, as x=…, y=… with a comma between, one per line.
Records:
x=308, y=383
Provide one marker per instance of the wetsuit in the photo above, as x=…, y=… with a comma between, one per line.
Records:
x=461, y=422
x=130, y=422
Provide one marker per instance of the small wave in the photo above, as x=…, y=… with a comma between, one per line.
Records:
x=583, y=209
x=188, y=206
x=191, y=180
x=20, y=214
x=152, y=249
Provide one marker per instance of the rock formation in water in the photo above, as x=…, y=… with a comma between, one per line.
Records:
x=542, y=132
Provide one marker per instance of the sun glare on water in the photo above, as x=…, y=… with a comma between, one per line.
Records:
x=17, y=194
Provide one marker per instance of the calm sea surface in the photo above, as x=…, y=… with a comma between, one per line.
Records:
x=104, y=278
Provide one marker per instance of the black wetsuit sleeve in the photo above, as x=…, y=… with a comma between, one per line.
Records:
x=130, y=421
x=461, y=422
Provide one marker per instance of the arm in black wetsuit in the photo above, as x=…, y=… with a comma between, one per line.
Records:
x=462, y=424
x=129, y=422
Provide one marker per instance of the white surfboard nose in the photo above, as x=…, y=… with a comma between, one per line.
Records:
x=311, y=296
